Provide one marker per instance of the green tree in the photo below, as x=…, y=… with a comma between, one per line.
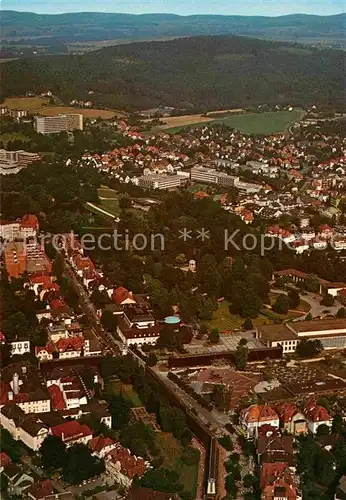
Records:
x=109, y=321
x=81, y=465
x=119, y=407
x=52, y=453
x=309, y=348
x=214, y=336
x=152, y=359
x=293, y=298
x=241, y=354
x=328, y=300
x=322, y=430
x=10, y=445
x=190, y=456
x=248, y=325
x=338, y=424
x=341, y=313
x=281, y=305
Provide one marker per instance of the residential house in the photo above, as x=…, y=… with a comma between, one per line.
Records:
x=255, y=416
x=316, y=415
x=5, y=461
x=101, y=446
x=291, y=419
x=18, y=481
x=40, y=490
x=278, y=482
x=72, y=432
x=122, y=466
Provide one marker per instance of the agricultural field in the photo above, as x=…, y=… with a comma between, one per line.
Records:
x=40, y=105
x=270, y=122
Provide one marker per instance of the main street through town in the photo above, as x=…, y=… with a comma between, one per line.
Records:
x=106, y=339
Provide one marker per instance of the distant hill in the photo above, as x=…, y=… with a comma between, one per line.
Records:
x=198, y=73
x=44, y=29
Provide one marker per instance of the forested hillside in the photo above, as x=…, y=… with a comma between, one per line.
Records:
x=44, y=29
x=193, y=73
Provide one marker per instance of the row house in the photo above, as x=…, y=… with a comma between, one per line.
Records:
x=286, y=417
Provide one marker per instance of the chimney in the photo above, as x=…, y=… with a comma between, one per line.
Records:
x=16, y=383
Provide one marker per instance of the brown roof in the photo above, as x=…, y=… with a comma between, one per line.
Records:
x=269, y=444
x=275, y=333
x=318, y=325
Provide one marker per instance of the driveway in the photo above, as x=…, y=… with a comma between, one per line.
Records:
x=313, y=299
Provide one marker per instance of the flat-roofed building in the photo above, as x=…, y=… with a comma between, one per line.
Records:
x=276, y=335
x=11, y=162
x=156, y=181
x=331, y=332
x=59, y=123
x=212, y=176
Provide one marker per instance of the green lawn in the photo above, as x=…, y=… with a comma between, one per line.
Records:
x=127, y=390
x=106, y=192
x=270, y=122
x=171, y=451
x=111, y=206
x=224, y=320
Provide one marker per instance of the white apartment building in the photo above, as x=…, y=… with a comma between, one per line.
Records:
x=156, y=181
x=59, y=123
x=212, y=176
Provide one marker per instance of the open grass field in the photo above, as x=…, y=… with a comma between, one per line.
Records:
x=106, y=192
x=127, y=391
x=40, y=105
x=270, y=122
x=31, y=104
x=111, y=206
x=224, y=320
x=171, y=451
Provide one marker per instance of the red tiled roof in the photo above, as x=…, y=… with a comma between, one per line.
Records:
x=4, y=459
x=49, y=348
x=69, y=344
x=317, y=413
x=57, y=397
x=40, y=490
x=286, y=411
x=131, y=466
x=98, y=443
x=260, y=413
x=58, y=304
x=30, y=220
x=70, y=431
x=121, y=294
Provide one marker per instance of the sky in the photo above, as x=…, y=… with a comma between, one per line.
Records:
x=182, y=7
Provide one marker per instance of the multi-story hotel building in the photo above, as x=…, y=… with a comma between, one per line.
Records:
x=59, y=123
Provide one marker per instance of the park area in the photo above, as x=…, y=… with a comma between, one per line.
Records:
x=270, y=122
x=223, y=320
x=42, y=106
x=170, y=447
